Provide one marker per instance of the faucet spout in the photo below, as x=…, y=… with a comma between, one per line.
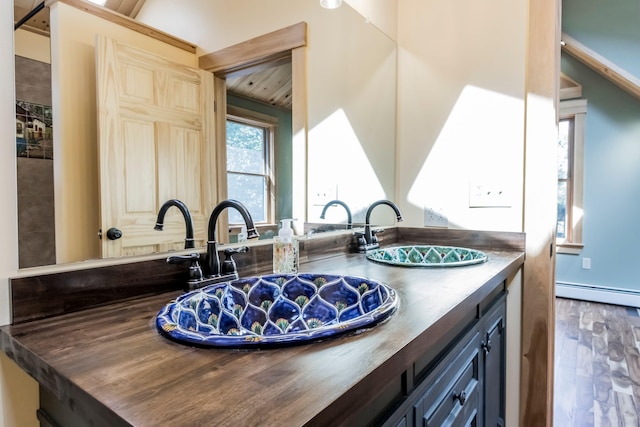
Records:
x=213, y=262
x=189, y=242
x=344, y=205
x=370, y=239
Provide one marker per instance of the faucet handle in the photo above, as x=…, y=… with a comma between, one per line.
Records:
x=229, y=264
x=374, y=232
x=195, y=271
x=240, y=250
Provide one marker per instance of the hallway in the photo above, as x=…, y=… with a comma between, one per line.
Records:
x=597, y=364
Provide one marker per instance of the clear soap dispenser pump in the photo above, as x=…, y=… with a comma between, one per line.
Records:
x=285, y=249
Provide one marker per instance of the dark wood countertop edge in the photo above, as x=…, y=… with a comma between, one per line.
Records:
x=339, y=412
x=73, y=396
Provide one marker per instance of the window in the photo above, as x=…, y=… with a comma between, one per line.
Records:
x=570, y=175
x=249, y=167
x=565, y=178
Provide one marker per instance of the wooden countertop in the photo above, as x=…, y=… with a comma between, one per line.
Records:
x=110, y=365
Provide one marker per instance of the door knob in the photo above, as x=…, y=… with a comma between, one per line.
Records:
x=114, y=234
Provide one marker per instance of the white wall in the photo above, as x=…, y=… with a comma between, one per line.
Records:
x=351, y=75
x=461, y=85
x=18, y=392
x=33, y=46
x=382, y=13
x=461, y=121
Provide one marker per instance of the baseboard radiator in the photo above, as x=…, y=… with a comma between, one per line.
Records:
x=596, y=293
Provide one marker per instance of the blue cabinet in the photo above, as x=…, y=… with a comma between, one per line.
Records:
x=465, y=384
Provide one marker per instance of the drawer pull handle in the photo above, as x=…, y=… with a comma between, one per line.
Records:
x=486, y=346
x=460, y=397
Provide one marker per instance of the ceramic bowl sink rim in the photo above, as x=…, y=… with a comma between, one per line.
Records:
x=249, y=339
x=481, y=259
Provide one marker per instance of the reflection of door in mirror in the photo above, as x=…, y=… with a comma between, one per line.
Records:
x=156, y=143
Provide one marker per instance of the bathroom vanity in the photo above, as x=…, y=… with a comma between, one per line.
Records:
x=439, y=359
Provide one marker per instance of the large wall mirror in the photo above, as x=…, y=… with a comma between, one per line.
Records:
x=349, y=120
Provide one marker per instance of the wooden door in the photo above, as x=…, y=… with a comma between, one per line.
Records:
x=156, y=142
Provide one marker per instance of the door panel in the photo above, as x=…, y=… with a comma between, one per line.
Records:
x=156, y=142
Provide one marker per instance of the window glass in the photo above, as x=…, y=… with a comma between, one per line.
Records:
x=251, y=191
x=563, y=148
x=245, y=148
x=564, y=176
x=561, y=229
x=247, y=168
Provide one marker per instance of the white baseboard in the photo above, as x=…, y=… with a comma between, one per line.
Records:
x=596, y=293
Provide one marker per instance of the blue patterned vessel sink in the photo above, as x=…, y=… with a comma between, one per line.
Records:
x=427, y=256
x=276, y=310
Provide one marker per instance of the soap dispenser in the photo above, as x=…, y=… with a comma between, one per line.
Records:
x=285, y=249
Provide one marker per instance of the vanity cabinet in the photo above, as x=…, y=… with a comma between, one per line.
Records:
x=465, y=385
x=438, y=361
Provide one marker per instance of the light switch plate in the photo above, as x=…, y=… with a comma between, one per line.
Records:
x=488, y=195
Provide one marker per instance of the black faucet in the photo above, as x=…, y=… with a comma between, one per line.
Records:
x=189, y=242
x=344, y=205
x=213, y=262
x=215, y=274
x=368, y=240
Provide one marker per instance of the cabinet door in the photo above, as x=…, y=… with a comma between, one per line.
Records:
x=493, y=348
x=460, y=406
x=452, y=397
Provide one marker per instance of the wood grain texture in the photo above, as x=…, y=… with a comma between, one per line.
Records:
x=155, y=144
x=540, y=186
x=127, y=22
x=597, y=371
x=261, y=49
x=112, y=360
x=618, y=76
x=482, y=240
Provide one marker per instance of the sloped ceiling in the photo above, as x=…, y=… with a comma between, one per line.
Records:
x=40, y=21
x=269, y=85
x=611, y=71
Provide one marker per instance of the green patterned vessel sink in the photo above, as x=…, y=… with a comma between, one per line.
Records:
x=427, y=256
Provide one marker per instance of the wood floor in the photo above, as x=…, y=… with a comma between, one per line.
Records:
x=597, y=365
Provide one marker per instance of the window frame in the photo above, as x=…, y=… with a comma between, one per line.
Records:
x=574, y=110
x=270, y=124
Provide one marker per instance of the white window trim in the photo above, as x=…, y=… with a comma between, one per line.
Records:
x=576, y=108
x=251, y=117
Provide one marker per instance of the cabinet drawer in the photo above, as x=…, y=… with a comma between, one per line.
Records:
x=452, y=397
x=460, y=405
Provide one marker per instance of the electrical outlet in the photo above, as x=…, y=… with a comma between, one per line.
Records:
x=483, y=195
x=323, y=195
x=435, y=217
x=586, y=263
